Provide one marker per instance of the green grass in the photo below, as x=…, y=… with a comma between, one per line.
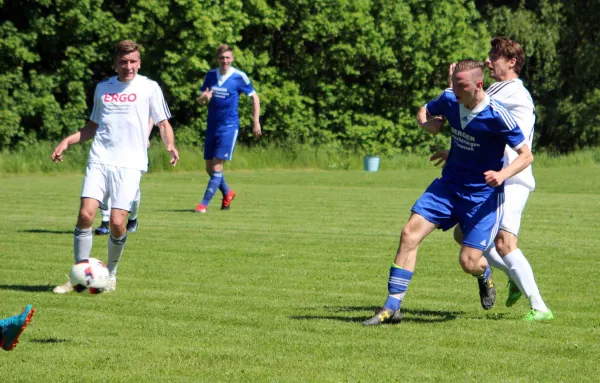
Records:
x=275, y=289
x=36, y=159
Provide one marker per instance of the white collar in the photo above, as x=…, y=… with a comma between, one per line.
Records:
x=221, y=78
x=466, y=115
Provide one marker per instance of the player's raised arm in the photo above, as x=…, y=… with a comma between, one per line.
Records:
x=166, y=133
x=429, y=123
x=523, y=160
x=82, y=135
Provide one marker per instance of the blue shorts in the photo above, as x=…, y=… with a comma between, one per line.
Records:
x=220, y=142
x=478, y=212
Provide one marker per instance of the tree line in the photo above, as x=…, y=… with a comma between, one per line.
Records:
x=334, y=73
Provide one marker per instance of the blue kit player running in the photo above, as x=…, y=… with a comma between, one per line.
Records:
x=470, y=191
x=221, y=91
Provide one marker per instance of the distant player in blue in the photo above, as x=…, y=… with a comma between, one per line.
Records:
x=471, y=189
x=221, y=91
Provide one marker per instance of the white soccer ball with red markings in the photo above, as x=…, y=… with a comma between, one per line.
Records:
x=89, y=276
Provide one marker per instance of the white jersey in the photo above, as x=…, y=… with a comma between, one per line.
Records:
x=518, y=101
x=121, y=111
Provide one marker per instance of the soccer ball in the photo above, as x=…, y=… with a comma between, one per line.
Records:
x=89, y=276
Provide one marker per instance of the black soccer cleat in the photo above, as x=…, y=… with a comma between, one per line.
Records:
x=487, y=292
x=384, y=315
x=103, y=229
x=132, y=225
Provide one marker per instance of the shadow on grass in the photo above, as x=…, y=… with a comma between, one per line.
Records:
x=415, y=316
x=27, y=288
x=49, y=340
x=42, y=231
x=179, y=211
x=496, y=316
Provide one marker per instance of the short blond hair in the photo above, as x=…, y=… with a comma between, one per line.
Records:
x=223, y=48
x=124, y=47
x=468, y=65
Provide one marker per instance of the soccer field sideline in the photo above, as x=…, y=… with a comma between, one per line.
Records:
x=275, y=289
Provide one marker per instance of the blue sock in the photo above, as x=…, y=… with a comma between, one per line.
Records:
x=486, y=274
x=213, y=186
x=397, y=285
x=223, y=187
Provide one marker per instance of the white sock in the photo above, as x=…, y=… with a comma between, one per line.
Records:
x=115, y=250
x=135, y=206
x=523, y=276
x=105, y=214
x=82, y=243
x=495, y=260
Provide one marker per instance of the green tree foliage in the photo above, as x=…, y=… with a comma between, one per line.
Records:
x=340, y=73
x=561, y=70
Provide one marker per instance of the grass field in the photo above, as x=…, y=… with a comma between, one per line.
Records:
x=275, y=289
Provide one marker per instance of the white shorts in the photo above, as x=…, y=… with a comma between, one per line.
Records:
x=515, y=198
x=104, y=182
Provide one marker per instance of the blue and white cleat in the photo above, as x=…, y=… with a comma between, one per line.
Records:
x=13, y=327
x=103, y=229
x=132, y=225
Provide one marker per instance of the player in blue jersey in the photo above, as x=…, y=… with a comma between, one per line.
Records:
x=221, y=91
x=505, y=62
x=12, y=327
x=470, y=191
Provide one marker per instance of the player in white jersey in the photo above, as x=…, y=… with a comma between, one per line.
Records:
x=118, y=155
x=505, y=62
x=132, y=222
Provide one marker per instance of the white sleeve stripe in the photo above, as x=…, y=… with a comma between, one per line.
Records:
x=244, y=76
x=159, y=96
x=440, y=95
x=94, y=109
x=504, y=114
x=519, y=146
x=166, y=109
x=497, y=87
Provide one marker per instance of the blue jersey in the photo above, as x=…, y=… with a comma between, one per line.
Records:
x=223, y=107
x=479, y=137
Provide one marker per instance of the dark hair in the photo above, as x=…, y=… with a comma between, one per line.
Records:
x=509, y=49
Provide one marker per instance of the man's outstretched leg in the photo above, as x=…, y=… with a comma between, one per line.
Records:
x=402, y=270
x=82, y=237
x=522, y=272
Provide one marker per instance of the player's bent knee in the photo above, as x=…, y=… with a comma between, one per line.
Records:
x=85, y=219
x=469, y=266
x=409, y=238
x=469, y=262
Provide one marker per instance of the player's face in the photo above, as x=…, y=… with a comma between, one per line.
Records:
x=225, y=60
x=465, y=87
x=128, y=65
x=499, y=67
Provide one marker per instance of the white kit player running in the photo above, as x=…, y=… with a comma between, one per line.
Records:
x=505, y=62
x=118, y=155
x=132, y=222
